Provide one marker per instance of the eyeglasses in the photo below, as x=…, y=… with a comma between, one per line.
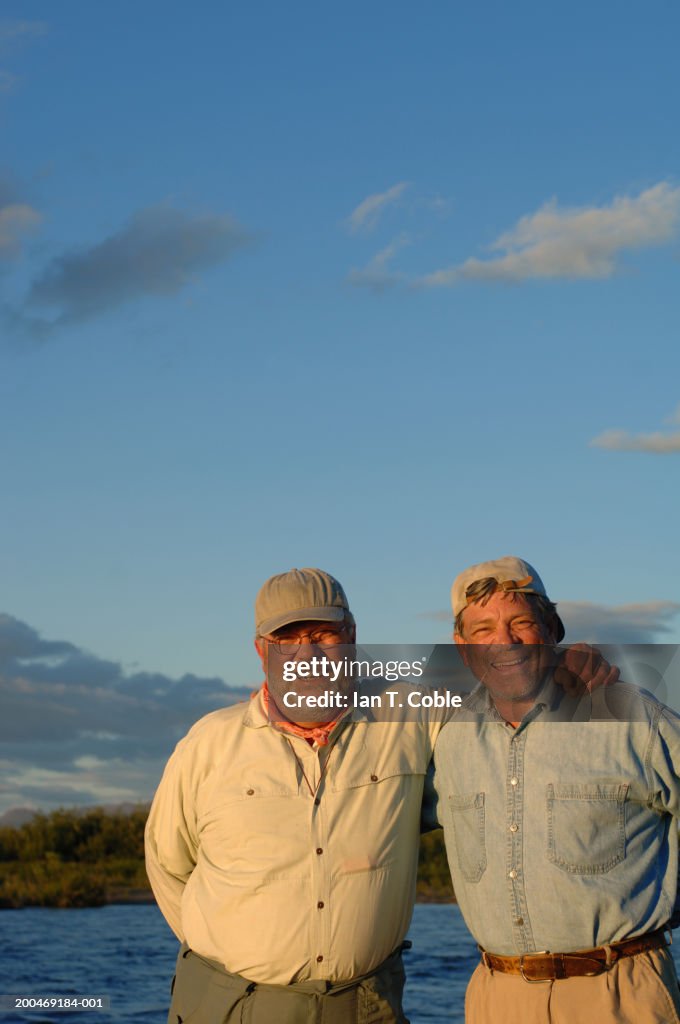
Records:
x=290, y=644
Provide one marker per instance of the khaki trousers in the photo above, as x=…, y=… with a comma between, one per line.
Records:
x=640, y=989
x=204, y=992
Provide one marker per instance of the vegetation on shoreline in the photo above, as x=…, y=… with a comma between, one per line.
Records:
x=434, y=879
x=69, y=859
x=66, y=859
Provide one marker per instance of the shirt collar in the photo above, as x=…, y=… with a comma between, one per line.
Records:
x=255, y=715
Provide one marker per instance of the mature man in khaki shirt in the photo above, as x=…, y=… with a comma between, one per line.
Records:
x=284, y=854
x=285, y=858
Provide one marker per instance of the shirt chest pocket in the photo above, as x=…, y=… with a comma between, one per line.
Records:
x=391, y=772
x=469, y=833
x=586, y=826
x=374, y=806
x=256, y=835
x=370, y=764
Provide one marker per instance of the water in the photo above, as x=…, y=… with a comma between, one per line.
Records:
x=127, y=953
x=123, y=952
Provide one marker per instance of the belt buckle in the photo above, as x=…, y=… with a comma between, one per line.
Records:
x=527, y=956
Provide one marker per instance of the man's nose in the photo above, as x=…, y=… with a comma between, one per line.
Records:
x=307, y=650
x=505, y=635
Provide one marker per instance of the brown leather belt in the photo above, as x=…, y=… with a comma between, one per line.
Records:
x=582, y=963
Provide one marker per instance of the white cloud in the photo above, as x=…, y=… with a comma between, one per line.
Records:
x=376, y=274
x=657, y=443
x=15, y=220
x=572, y=243
x=623, y=624
x=92, y=781
x=366, y=215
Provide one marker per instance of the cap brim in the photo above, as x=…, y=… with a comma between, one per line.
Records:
x=327, y=614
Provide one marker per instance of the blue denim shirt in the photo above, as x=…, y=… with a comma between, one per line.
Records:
x=561, y=833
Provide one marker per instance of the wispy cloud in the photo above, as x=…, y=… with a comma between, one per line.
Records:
x=76, y=728
x=622, y=624
x=16, y=220
x=657, y=443
x=377, y=274
x=11, y=31
x=621, y=441
x=8, y=81
x=366, y=215
x=435, y=203
x=157, y=253
x=583, y=242
x=587, y=622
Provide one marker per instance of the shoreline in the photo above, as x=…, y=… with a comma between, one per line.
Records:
x=131, y=897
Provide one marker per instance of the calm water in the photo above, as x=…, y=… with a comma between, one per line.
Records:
x=127, y=953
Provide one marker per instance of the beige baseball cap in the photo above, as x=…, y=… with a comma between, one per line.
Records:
x=511, y=573
x=297, y=595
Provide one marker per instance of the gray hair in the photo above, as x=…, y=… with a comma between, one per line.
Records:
x=482, y=590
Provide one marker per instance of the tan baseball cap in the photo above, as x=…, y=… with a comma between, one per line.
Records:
x=510, y=572
x=298, y=595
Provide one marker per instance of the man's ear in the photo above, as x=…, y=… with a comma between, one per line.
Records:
x=553, y=628
x=261, y=649
x=462, y=649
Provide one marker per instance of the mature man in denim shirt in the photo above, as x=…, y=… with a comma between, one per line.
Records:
x=559, y=815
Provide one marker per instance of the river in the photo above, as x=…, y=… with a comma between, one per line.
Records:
x=125, y=955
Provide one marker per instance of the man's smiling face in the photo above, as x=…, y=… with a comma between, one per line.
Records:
x=503, y=644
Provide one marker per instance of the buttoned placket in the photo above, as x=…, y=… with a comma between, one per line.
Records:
x=514, y=820
x=313, y=760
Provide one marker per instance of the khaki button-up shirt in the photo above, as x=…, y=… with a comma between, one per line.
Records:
x=285, y=862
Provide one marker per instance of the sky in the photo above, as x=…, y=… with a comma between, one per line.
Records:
x=384, y=288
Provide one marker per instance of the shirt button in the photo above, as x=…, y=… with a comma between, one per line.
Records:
x=512, y=874
x=319, y=959
x=513, y=781
x=514, y=827
x=320, y=904
x=319, y=850
x=519, y=921
x=251, y=792
x=317, y=800
x=374, y=778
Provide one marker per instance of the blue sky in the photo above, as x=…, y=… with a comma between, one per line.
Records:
x=382, y=288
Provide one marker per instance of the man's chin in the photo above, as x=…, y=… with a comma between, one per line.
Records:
x=511, y=688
